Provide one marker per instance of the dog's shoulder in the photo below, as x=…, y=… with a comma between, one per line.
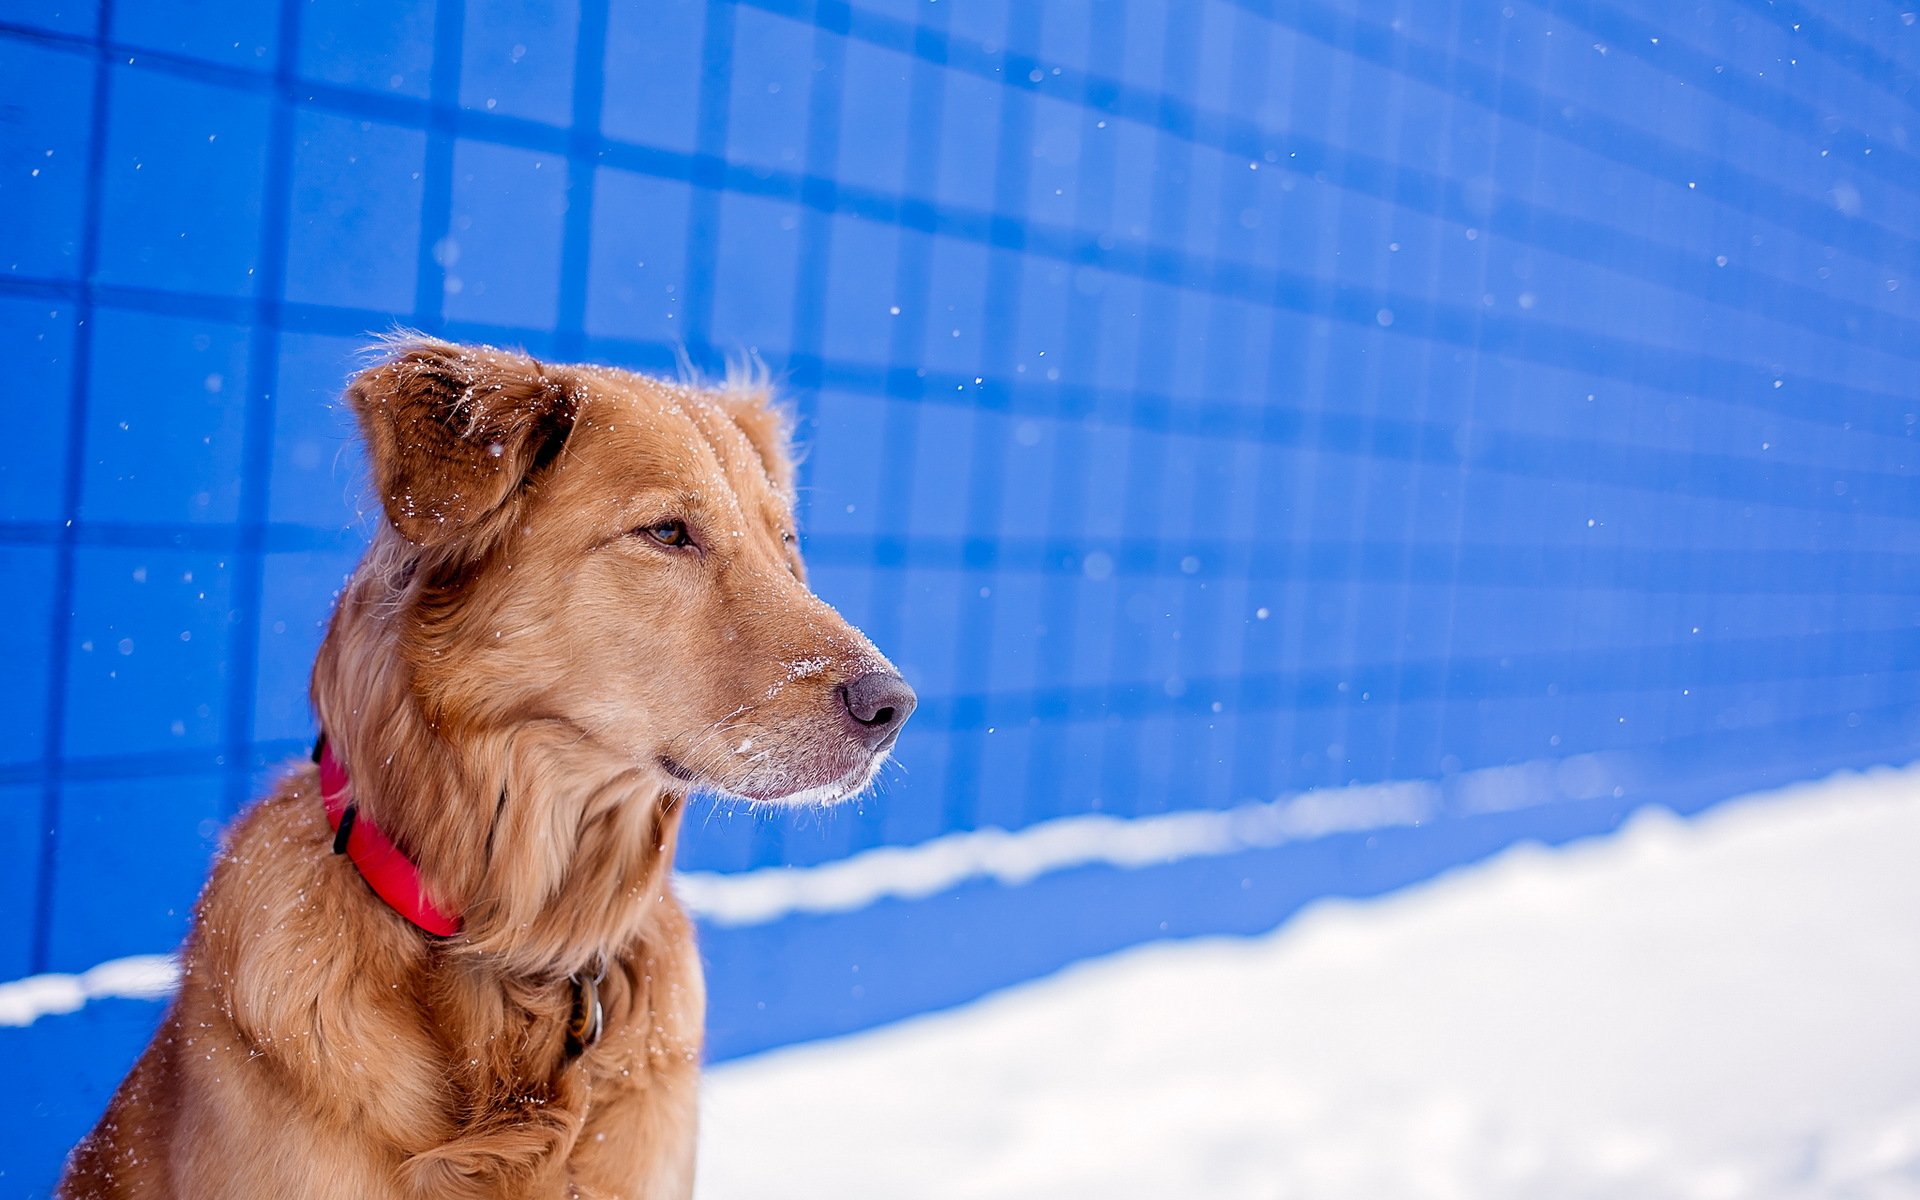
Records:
x=277, y=891
x=288, y=953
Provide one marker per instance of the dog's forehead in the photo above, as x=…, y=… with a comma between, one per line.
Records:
x=676, y=437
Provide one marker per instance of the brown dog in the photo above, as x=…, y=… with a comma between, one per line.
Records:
x=586, y=599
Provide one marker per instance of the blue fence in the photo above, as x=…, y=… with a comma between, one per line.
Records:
x=1207, y=402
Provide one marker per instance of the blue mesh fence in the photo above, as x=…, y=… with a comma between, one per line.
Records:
x=1206, y=403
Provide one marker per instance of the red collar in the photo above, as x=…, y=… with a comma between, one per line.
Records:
x=387, y=870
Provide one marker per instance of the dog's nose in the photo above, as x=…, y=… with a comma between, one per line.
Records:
x=879, y=703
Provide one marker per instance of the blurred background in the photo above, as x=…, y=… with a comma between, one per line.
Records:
x=1295, y=447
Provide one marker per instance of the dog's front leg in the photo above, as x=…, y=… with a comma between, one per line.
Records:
x=517, y=1147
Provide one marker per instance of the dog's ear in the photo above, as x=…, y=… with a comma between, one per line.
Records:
x=454, y=432
x=750, y=406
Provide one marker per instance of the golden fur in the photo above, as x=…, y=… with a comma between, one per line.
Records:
x=523, y=678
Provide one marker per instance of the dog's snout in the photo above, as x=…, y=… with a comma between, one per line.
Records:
x=879, y=703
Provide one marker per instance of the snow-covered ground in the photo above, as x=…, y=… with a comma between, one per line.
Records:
x=1728, y=1007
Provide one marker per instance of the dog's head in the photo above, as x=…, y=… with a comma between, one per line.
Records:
x=594, y=547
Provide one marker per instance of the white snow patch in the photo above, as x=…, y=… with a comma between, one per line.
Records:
x=1717, y=1008
x=141, y=977
x=1019, y=856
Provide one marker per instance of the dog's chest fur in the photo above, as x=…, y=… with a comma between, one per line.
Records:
x=313, y=1026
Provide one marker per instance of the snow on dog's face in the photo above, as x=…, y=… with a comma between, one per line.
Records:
x=617, y=552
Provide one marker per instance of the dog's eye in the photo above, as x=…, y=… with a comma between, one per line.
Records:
x=671, y=534
x=787, y=537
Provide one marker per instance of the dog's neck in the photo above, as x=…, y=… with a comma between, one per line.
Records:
x=555, y=851
x=388, y=870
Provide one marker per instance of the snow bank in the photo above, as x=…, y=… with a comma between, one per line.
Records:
x=1722, y=1008
x=141, y=977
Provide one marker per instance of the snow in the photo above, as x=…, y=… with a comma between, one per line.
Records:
x=1717, y=1008
x=140, y=977
x=1014, y=857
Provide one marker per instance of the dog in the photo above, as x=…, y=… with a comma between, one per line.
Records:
x=446, y=960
